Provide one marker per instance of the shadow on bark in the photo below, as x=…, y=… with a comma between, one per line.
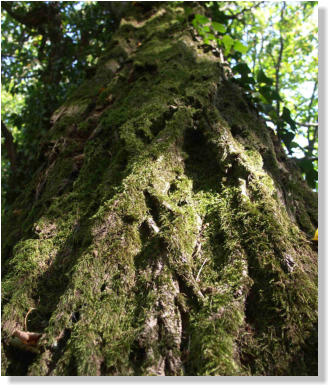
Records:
x=202, y=164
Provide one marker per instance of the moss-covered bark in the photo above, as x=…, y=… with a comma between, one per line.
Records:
x=165, y=233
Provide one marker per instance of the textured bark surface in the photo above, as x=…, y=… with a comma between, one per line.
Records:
x=165, y=232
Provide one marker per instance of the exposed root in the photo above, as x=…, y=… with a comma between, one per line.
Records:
x=197, y=278
x=28, y=338
x=25, y=340
x=26, y=318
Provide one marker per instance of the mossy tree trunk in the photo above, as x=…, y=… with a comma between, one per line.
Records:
x=165, y=232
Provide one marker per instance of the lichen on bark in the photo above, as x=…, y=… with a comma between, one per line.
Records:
x=166, y=232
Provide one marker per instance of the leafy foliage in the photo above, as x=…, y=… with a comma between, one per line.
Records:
x=273, y=50
x=48, y=49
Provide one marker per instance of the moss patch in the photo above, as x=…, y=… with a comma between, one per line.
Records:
x=154, y=239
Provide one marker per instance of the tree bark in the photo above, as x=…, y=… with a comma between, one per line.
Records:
x=9, y=145
x=166, y=232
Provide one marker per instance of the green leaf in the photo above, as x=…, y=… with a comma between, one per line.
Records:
x=305, y=165
x=269, y=94
x=266, y=93
x=294, y=144
x=287, y=137
x=311, y=174
x=201, y=19
x=286, y=117
x=241, y=68
x=262, y=78
x=227, y=42
x=245, y=81
x=201, y=31
x=268, y=108
x=207, y=37
x=240, y=47
x=272, y=113
x=275, y=96
x=195, y=23
x=219, y=27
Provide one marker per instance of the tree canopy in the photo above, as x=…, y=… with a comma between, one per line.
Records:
x=273, y=48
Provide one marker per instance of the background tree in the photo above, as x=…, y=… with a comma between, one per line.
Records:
x=163, y=230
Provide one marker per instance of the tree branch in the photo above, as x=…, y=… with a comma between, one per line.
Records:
x=307, y=158
x=45, y=18
x=307, y=124
x=31, y=19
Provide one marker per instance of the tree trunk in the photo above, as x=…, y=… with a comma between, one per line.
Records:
x=165, y=232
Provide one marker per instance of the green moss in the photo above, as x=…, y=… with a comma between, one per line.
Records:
x=152, y=252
